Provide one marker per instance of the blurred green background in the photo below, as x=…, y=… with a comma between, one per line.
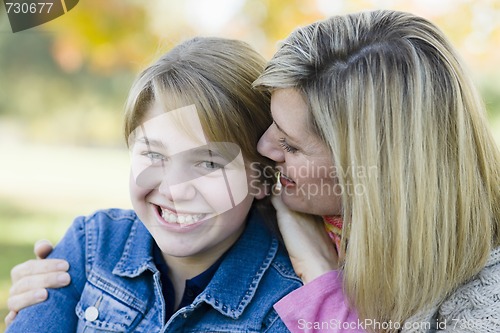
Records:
x=63, y=86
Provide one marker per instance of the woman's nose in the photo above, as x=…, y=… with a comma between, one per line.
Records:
x=269, y=147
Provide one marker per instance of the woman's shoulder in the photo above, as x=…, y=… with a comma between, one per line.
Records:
x=494, y=259
x=483, y=289
x=473, y=307
x=476, y=305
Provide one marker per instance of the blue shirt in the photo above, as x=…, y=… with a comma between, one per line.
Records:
x=192, y=288
x=116, y=286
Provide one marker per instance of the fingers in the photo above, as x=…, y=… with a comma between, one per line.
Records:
x=34, y=267
x=311, y=251
x=290, y=221
x=43, y=248
x=278, y=203
x=10, y=317
x=283, y=212
x=30, y=279
x=18, y=302
x=31, y=290
x=40, y=281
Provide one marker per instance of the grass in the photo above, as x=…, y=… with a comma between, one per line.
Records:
x=20, y=229
x=43, y=188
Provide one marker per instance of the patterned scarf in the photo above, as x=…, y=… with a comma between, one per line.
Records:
x=333, y=226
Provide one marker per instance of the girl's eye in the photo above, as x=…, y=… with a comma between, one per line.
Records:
x=153, y=156
x=286, y=146
x=210, y=165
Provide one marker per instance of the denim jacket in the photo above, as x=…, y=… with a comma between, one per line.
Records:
x=116, y=286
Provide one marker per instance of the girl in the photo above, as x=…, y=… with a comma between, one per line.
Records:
x=194, y=255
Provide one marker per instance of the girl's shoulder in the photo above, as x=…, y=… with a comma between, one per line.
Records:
x=111, y=215
x=107, y=238
x=105, y=223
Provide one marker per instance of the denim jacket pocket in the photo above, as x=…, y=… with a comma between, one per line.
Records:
x=98, y=311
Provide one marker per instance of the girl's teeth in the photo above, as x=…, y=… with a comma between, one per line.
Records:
x=181, y=219
x=171, y=218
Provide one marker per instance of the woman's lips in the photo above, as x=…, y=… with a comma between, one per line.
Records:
x=285, y=181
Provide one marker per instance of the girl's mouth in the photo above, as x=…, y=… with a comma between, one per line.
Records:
x=182, y=219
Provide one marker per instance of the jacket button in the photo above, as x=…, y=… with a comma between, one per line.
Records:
x=91, y=313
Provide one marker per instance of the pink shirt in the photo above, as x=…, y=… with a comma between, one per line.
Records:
x=319, y=307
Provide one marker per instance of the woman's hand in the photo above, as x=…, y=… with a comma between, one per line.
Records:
x=30, y=279
x=311, y=251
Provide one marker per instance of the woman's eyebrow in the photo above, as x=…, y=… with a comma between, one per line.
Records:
x=279, y=128
x=283, y=131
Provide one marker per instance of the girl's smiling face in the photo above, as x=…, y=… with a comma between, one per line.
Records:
x=192, y=195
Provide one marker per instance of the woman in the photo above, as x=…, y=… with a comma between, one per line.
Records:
x=378, y=129
x=382, y=102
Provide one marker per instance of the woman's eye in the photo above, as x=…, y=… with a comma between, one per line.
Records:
x=286, y=146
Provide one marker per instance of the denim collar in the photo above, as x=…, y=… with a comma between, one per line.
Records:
x=137, y=255
x=243, y=267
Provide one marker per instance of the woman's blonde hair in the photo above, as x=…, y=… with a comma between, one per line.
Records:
x=385, y=89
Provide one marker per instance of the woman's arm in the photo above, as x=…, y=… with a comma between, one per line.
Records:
x=320, y=305
x=311, y=251
x=57, y=313
x=31, y=278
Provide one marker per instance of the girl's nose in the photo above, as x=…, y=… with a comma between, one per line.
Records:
x=174, y=190
x=269, y=147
